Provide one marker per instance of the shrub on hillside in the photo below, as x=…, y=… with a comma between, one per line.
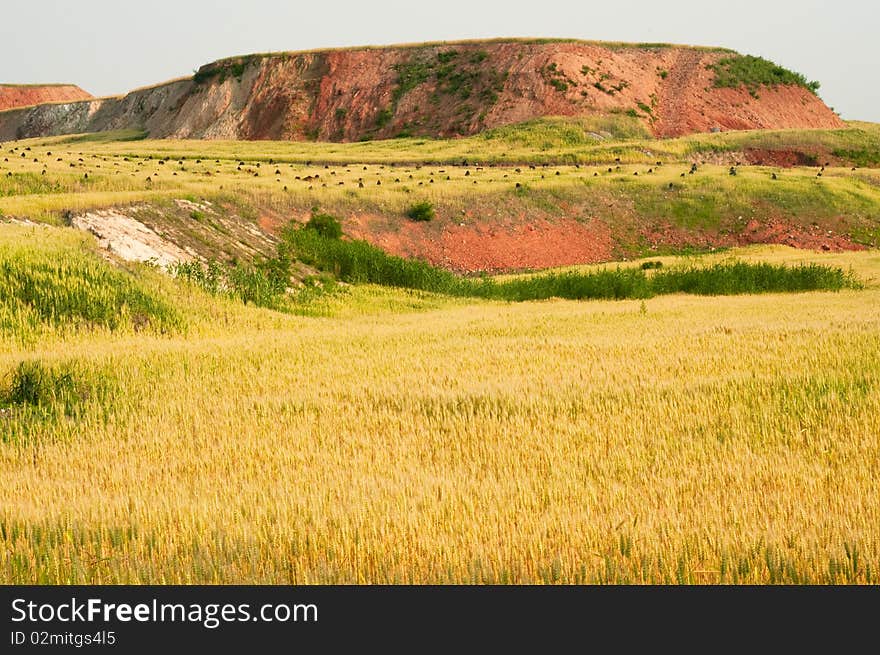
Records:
x=263, y=284
x=325, y=225
x=730, y=278
x=421, y=211
x=253, y=285
x=208, y=277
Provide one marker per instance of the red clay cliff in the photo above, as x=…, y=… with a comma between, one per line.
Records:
x=437, y=90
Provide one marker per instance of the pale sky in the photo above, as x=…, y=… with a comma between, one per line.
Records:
x=112, y=46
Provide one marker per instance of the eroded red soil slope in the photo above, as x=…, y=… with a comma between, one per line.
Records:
x=12, y=95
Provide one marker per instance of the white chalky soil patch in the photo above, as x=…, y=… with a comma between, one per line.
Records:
x=129, y=239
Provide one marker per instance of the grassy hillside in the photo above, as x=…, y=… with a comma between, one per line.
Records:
x=547, y=170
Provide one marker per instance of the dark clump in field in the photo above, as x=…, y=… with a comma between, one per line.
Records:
x=728, y=278
x=421, y=211
x=35, y=393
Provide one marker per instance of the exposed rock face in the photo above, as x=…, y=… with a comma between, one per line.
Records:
x=17, y=95
x=436, y=90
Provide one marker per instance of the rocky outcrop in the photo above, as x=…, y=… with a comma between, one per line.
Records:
x=437, y=90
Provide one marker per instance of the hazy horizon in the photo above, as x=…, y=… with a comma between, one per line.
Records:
x=110, y=49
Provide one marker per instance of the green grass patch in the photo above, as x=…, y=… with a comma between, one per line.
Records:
x=593, y=139
x=24, y=184
x=604, y=284
x=866, y=157
x=754, y=72
x=44, y=285
x=554, y=133
x=735, y=277
x=359, y=262
x=115, y=136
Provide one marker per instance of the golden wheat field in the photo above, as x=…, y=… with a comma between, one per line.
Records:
x=402, y=437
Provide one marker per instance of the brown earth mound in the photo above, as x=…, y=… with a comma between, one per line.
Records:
x=437, y=90
x=13, y=95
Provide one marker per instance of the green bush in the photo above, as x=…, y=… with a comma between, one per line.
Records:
x=201, y=76
x=277, y=268
x=263, y=284
x=36, y=384
x=253, y=284
x=325, y=225
x=383, y=117
x=224, y=70
x=421, y=211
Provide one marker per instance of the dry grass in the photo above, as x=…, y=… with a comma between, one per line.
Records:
x=395, y=436
x=410, y=438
